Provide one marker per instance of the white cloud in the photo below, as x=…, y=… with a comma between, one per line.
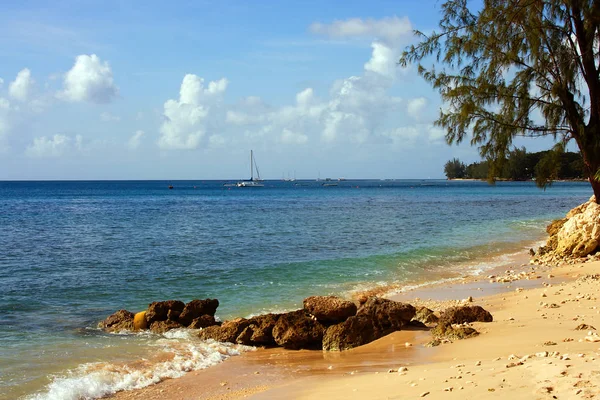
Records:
x=387, y=36
x=135, y=140
x=242, y=118
x=403, y=136
x=414, y=107
x=89, y=80
x=185, y=119
x=389, y=29
x=383, y=60
x=305, y=97
x=22, y=86
x=193, y=92
x=54, y=146
x=289, y=137
x=436, y=134
x=108, y=117
x=1, y=82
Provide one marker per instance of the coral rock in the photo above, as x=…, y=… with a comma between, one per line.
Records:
x=119, y=321
x=329, y=309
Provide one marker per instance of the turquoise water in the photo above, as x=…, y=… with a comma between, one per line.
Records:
x=74, y=252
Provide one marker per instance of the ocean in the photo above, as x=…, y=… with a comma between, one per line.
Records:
x=72, y=253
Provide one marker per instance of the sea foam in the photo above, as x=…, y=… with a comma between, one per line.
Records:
x=176, y=353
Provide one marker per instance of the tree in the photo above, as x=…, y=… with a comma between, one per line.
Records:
x=518, y=68
x=454, y=169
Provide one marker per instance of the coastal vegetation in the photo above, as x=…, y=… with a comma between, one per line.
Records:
x=522, y=166
x=517, y=68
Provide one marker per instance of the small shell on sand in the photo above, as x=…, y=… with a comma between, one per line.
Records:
x=424, y=394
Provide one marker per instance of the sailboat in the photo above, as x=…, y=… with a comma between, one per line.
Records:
x=253, y=182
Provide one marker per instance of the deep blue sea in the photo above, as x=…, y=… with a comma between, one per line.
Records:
x=71, y=253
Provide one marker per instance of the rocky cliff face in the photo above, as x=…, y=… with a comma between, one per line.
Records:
x=574, y=238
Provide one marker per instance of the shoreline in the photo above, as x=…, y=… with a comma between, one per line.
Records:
x=266, y=372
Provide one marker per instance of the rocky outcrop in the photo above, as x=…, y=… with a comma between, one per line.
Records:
x=297, y=330
x=202, y=322
x=574, y=237
x=387, y=315
x=259, y=331
x=325, y=322
x=122, y=320
x=451, y=333
x=226, y=332
x=164, y=310
x=197, y=308
x=171, y=314
x=425, y=316
x=164, y=326
x=376, y=318
x=255, y=331
x=453, y=323
x=464, y=314
x=353, y=332
x=329, y=309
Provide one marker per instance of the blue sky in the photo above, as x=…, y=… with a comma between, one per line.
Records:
x=184, y=89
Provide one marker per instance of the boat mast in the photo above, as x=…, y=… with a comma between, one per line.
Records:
x=251, y=167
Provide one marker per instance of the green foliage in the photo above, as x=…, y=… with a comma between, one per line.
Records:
x=454, y=169
x=522, y=166
x=517, y=68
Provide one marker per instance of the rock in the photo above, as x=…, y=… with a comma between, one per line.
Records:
x=139, y=321
x=227, y=332
x=450, y=332
x=555, y=226
x=297, y=330
x=417, y=324
x=256, y=331
x=197, y=308
x=164, y=326
x=202, y=322
x=376, y=318
x=353, y=332
x=465, y=314
x=259, y=331
x=388, y=315
x=329, y=309
x=159, y=310
x=584, y=327
x=425, y=315
x=121, y=320
x=580, y=234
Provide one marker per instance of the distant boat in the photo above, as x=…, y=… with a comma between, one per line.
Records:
x=170, y=186
x=253, y=182
x=329, y=184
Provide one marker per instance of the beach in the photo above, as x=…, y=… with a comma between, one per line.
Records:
x=532, y=349
x=257, y=252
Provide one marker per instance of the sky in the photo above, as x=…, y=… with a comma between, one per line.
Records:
x=183, y=90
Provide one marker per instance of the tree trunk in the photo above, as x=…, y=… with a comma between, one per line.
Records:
x=595, y=187
x=589, y=146
x=591, y=165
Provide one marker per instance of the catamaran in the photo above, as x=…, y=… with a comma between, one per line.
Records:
x=253, y=182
